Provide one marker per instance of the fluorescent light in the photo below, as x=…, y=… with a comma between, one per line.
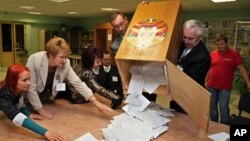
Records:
x=60, y=1
x=218, y=1
x=243, y=22
x=72, y=13
x=109, y=9
x=27, y=7
x=35, y=13
x=245, y=26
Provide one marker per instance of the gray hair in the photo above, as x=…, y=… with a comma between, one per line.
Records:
x=195, y=24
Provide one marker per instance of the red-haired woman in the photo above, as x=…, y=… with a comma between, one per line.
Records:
x=12, y=89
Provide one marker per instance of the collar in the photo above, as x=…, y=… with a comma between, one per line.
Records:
x=95, y=71
x=107, y=69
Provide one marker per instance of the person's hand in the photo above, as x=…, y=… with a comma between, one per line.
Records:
x=36, y=117
x=51, y=136
x=101, y=106
x=45, y=114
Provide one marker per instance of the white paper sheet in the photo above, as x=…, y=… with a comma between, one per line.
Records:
x=150, y=84
x=129, y=128
x=222, y=136
x=136, y=84
x=87, y=137
x=151, y=75
x=137, y=101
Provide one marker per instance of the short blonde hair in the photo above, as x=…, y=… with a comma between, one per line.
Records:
x=55, y=44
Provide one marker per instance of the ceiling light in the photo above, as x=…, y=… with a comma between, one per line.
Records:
x=242, y=22
x=109, y=9
x=218, y=1
x=245, y=26
x=35, y=13
x=72, y=13
x=59, y=0
x=27, y=7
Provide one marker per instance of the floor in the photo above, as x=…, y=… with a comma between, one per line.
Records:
x=234, y=99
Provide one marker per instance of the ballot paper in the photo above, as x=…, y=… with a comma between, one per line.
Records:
x=222, y=136
x=126, y=128
x=87, y=137
x=146, y=116
x=136, y=84
x=137, y=101
x=140, y=122
x=159, y=110
x=150, y=83
x=147, y=76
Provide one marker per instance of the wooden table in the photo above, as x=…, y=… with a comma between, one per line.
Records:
x=74, y=120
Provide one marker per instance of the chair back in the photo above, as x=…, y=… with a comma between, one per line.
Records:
x=244, y=102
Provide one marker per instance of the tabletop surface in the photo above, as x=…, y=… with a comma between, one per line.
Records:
x=75, y=120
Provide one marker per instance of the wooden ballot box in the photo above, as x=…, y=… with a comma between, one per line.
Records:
x=154, y=35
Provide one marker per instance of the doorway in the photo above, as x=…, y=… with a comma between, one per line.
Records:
x=12, y=44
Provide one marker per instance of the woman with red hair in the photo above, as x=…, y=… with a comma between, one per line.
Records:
x=12, y=89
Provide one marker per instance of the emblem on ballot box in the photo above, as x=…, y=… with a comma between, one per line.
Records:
x=147, y=33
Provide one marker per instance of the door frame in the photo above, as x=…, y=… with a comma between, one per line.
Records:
x=8, y=54
x=12, y=55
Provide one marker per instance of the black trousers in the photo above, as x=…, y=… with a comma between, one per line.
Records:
x=176, y=107
x=151, y=97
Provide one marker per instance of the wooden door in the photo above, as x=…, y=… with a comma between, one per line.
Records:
x=103, y=36
x=20, y=51
x=6, y=44
x=12, y=44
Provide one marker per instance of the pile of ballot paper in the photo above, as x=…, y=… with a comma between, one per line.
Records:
x=138, y=125
x=142, y=120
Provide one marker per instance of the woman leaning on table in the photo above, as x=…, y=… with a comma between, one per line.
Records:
x=12, y=89
x=91, y=62
x=49, y=70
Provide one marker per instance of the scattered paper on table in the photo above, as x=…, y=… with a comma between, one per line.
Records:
x=222, y=136
x=86, y=137
x=137, y=101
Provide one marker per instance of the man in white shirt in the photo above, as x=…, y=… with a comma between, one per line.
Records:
x=109, y=76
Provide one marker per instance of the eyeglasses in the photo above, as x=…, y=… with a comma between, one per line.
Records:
x=120, y=25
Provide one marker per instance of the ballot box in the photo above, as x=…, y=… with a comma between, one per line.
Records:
x=148, y=53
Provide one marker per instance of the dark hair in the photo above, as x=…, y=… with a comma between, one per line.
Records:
x=115, y=14
x=89, y=55
x=220, y=37
x=12, y=77
x=55, y=34
x=106, y=52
